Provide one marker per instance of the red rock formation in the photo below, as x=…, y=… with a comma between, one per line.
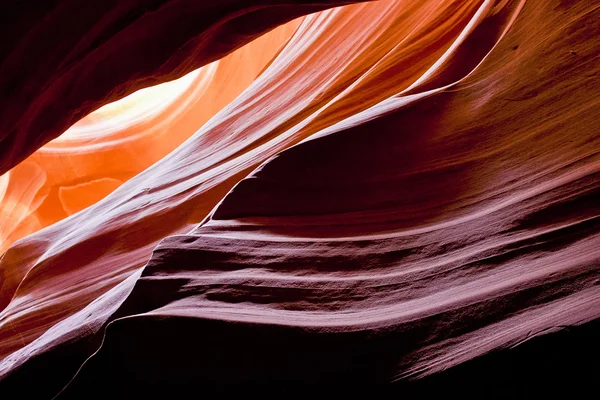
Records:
x=116, y=142
x=407, y=186
x=65, y=58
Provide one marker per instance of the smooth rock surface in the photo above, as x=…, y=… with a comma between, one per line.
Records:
x=409, y=187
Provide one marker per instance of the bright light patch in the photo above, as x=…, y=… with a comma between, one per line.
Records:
x=138, y=106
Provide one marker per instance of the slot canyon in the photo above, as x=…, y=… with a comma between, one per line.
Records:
x=299, y=197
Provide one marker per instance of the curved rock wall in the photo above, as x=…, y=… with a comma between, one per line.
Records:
x=407, y=186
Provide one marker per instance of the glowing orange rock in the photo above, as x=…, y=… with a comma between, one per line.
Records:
x=119, y=140
x=322, y=65
x=406, y=186
x=57, y=68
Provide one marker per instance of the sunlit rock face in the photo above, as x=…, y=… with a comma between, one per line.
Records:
x=396, y=189
x=90, y=53
x=114, y=143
